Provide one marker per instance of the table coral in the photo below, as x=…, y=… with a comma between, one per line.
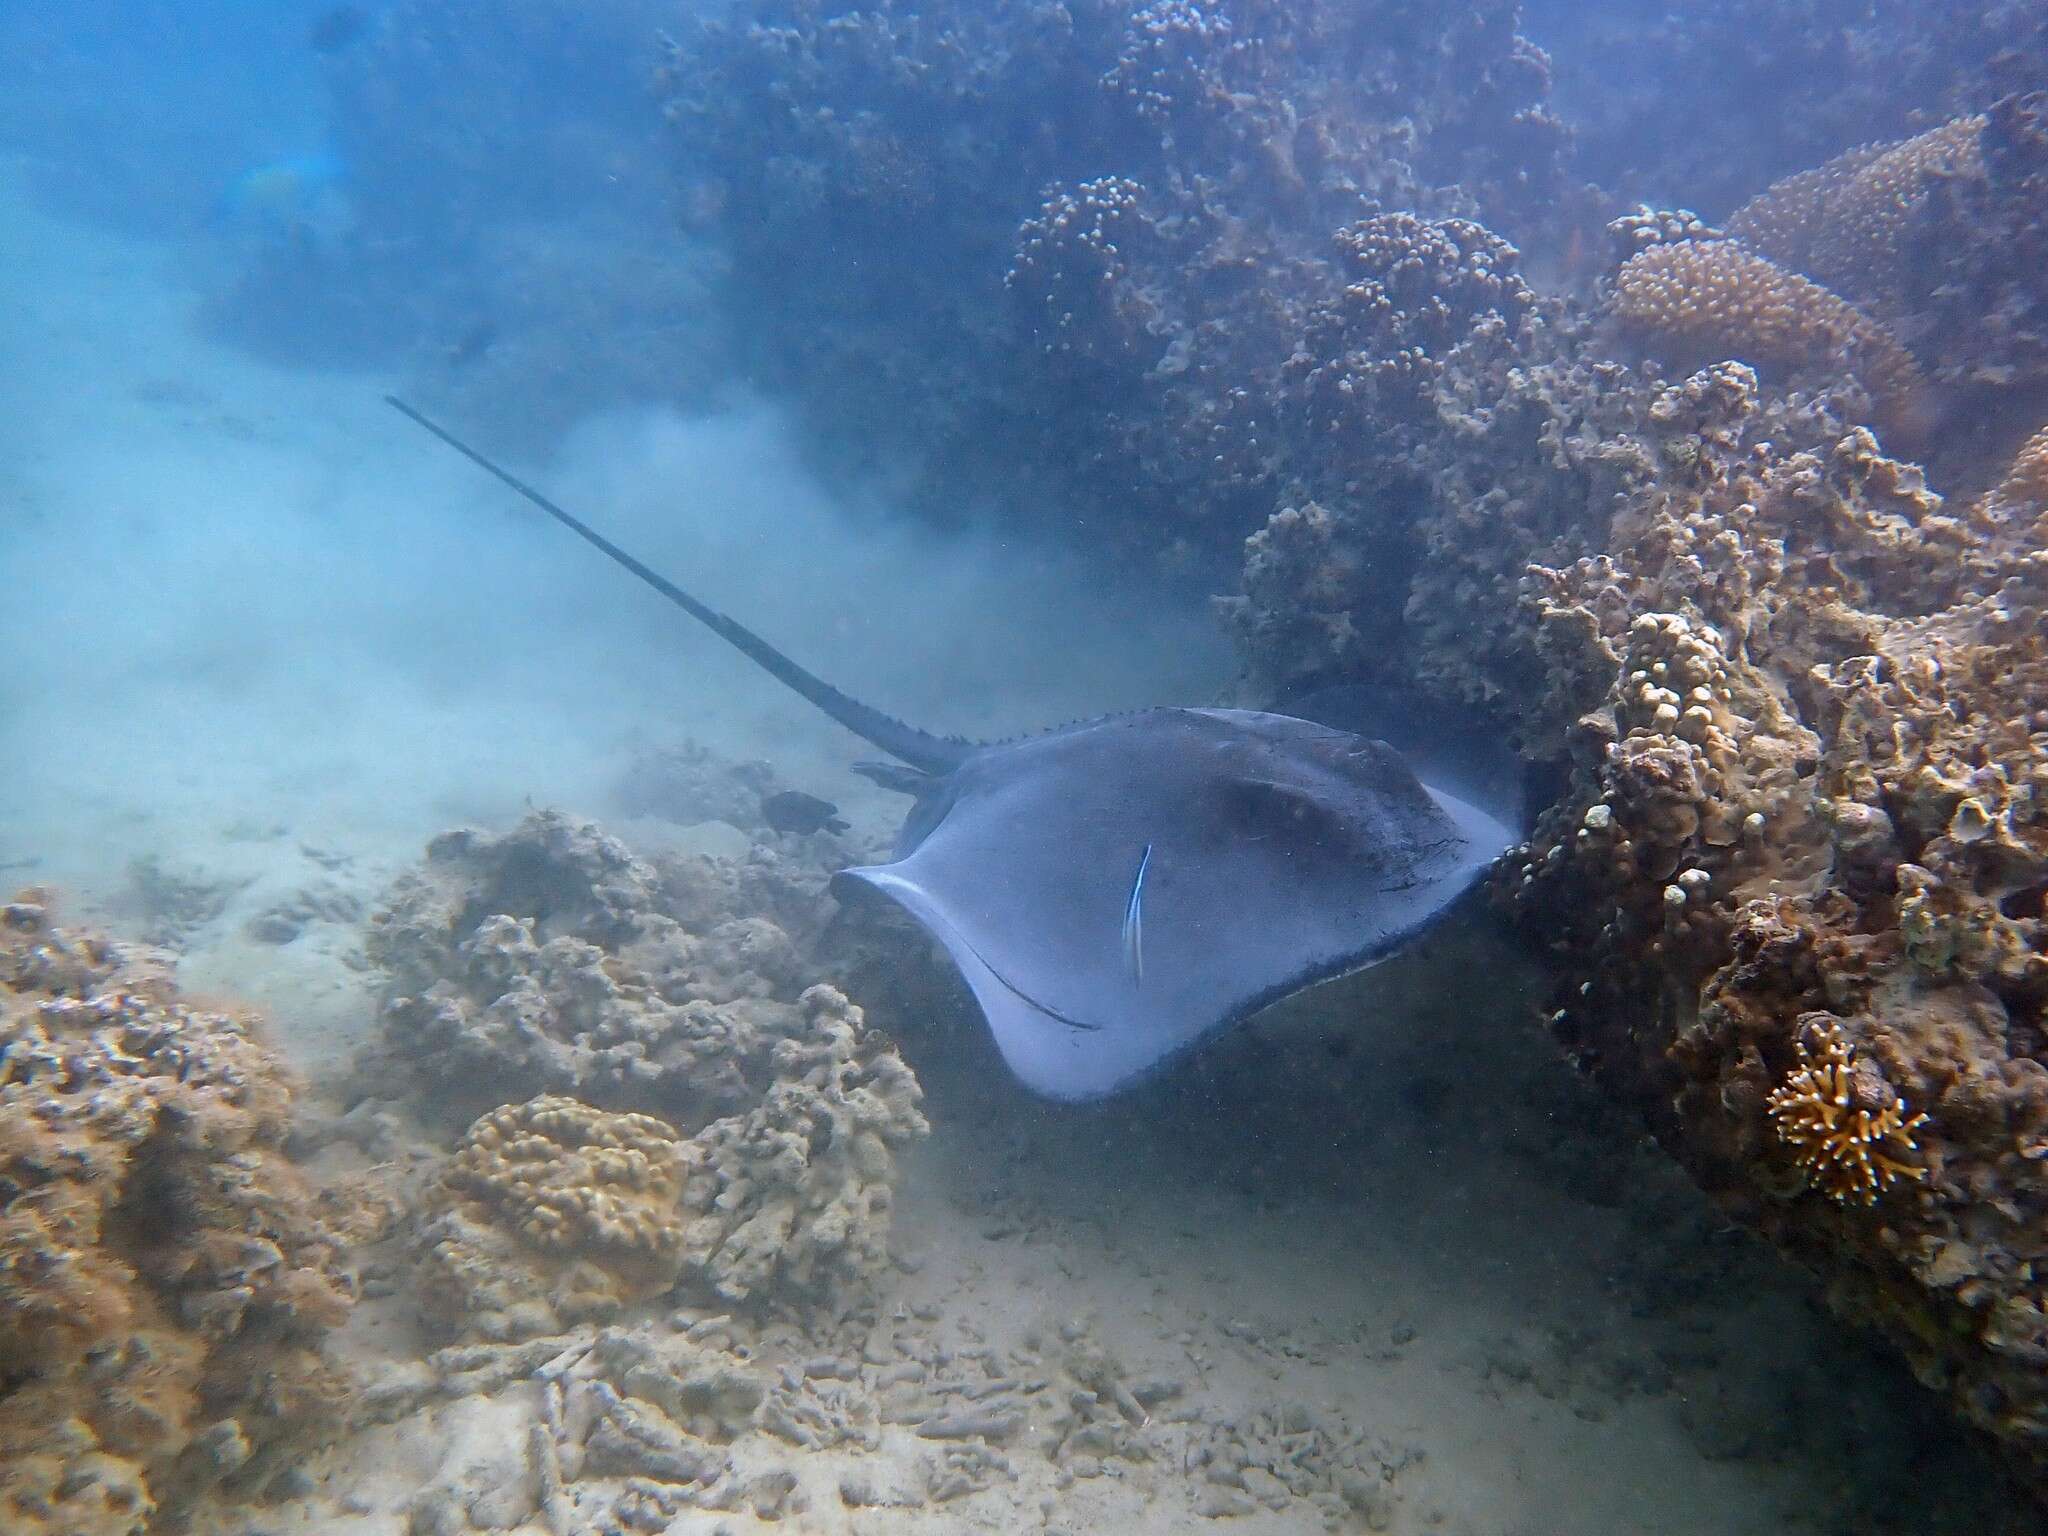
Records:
x=1851, y=223
x=1941, y=240
x=164, y=1279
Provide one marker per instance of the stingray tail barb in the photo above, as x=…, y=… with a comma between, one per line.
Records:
x=906, y=743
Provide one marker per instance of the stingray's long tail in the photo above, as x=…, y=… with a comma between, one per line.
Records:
x=906, y=743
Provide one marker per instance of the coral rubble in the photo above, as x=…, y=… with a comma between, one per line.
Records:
x=166, y=1275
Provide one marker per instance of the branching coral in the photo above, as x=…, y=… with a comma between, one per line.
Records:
x=164, y=1279
x=1409, y=292
x=1845, y=1126
x=1717, y=298
x=1072, y=273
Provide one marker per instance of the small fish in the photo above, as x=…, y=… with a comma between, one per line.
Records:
x=472, y=344
x=1134, y=922
x=792, y=810
x=337, y=28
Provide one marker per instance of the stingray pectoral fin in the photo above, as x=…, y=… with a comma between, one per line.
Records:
x=1050, y=1053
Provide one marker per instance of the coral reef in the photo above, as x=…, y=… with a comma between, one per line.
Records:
x=550, y=959
x=1794, y=701
x=1794, y=886
x=166, y=1275
x=1154, y=188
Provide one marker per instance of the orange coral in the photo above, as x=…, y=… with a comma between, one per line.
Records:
x=1850, y=1151
x=576, y=1178
x=1719, y=298
x=161, y=1268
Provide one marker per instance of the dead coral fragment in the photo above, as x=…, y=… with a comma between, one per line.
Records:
x=1718, y=297
x=1851, y=1152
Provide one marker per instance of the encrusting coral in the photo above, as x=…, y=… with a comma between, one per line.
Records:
x=165, y=1275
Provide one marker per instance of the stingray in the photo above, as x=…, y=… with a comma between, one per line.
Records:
x=1117, y=889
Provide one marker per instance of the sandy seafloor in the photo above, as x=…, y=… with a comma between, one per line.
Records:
x=223, y=585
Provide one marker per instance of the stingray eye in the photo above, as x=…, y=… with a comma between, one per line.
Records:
x=1260, y=808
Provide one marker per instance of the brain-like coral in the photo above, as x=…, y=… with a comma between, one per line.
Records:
x=549, y=1213
x=165, y=1276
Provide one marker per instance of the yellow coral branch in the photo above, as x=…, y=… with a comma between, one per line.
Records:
x=1850, y=1153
